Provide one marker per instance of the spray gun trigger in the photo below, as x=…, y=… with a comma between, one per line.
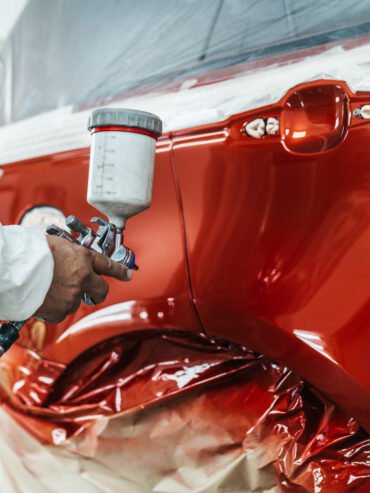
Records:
x=106, y=235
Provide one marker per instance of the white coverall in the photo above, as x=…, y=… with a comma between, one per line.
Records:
x=26, y=271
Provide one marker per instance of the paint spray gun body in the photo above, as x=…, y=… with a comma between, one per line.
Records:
x=120, y=185
x=107, y=240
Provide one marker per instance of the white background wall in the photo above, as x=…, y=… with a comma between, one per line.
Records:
x=9, y=13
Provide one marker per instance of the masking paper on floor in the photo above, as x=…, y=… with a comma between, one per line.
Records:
x=171, y=449
x=117, y=431
x=172, y=412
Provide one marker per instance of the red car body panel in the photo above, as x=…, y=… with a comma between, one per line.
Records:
x=159, y=295
x=278, y=240
x=275, y=233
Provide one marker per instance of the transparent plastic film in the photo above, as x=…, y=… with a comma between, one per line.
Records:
x=83, y=58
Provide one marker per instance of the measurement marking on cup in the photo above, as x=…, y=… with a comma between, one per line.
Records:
x=106, y=166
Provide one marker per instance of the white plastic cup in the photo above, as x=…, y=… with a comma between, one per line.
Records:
x=122, y=162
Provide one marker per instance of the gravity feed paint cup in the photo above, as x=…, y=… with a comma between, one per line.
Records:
x=122, y=161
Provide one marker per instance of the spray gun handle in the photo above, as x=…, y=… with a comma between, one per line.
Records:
x=9, y=333
x=107, y=241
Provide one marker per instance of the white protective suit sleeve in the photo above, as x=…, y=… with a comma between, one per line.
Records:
x=26, y=271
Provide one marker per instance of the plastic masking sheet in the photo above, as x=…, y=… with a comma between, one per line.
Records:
x=192, y=62
x=172, y=412
x=92, y=52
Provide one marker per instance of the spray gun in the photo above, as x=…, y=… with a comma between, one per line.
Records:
x=107, y=240
x=120, y=186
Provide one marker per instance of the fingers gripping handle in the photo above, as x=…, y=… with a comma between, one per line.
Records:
x=107, y=240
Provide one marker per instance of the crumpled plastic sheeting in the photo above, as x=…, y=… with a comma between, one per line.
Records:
x=119, y=375
x=173, y=413
x=193, y=443
x=314, y=447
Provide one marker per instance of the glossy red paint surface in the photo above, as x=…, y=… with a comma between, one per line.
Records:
x=315, y=119
x=278, y=241
x=157, y=297
x=277, y=236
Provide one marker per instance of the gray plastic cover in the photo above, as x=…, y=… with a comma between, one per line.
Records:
x=90, y=53
x=123, y=117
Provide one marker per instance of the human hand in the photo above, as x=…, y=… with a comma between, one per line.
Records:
x=77, y=270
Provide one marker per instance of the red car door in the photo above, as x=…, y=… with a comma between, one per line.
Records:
x=278, y=235
x=157, y=297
